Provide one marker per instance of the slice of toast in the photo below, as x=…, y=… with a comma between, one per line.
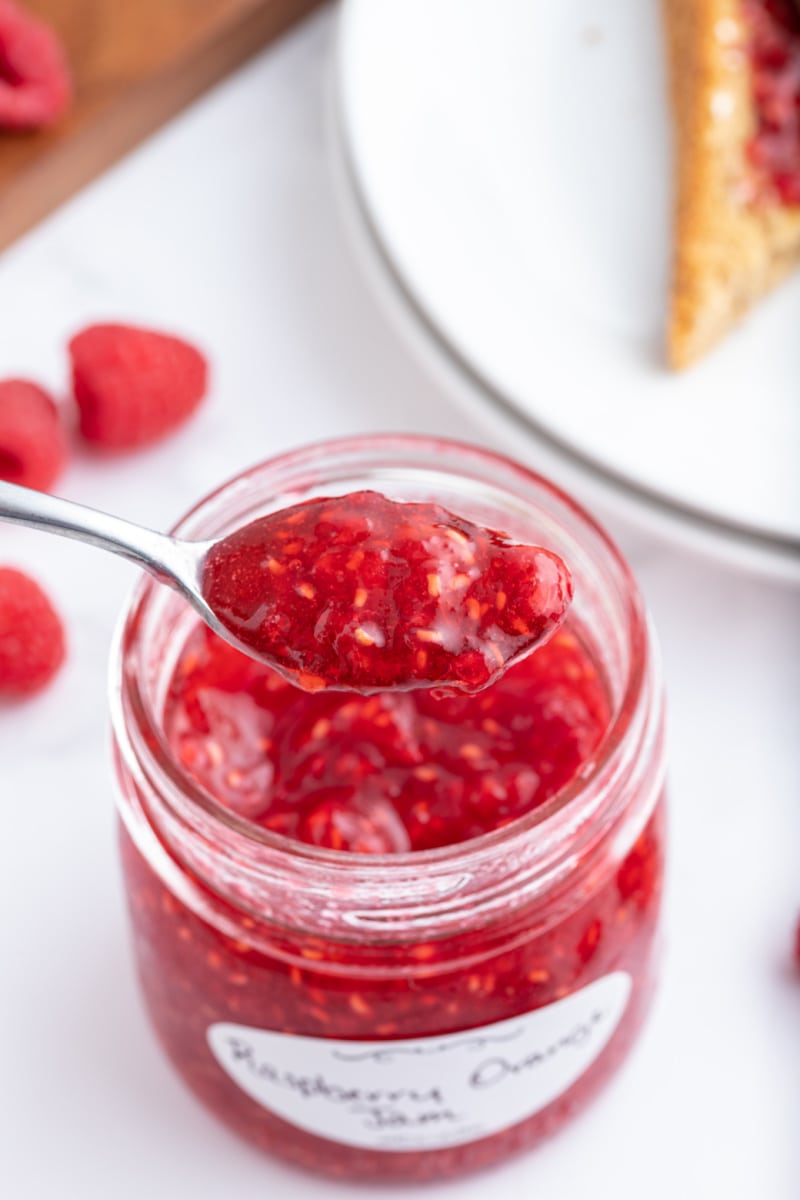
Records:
x=729, y=250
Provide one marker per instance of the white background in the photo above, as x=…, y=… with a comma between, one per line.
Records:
x=224, y=227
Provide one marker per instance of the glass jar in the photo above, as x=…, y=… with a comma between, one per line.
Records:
x=408, y=1016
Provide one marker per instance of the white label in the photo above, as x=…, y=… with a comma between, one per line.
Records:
x=423, y=1093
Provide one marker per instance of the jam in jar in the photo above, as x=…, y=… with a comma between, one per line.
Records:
x=403, y=935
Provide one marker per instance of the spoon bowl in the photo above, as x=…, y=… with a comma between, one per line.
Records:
x=359, y=592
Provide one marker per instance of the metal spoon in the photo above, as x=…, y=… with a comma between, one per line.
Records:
x=173, y=561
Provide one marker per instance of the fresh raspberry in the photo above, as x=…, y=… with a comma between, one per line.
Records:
x=35, y=88
x=31, y=636
x=132, y=385
x=33, y=444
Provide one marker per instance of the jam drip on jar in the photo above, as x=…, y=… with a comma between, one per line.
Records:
x=774, y=46
x=363, y=593
x=385, y=773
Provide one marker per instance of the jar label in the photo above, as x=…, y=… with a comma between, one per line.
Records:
x=424, y=1093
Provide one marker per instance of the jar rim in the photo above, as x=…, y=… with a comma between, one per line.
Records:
x=128, y=698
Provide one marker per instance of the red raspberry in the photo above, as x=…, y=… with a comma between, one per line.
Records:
x=133, y=385
x=31, y=636
x=35, y=88
x=33, y=445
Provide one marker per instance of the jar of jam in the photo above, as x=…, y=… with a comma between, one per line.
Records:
x=397, y=936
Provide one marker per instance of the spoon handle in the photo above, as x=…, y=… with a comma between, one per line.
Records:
x=155, y=552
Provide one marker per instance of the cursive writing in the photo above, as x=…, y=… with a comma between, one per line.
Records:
x=497, y=1068
x=310, y=1086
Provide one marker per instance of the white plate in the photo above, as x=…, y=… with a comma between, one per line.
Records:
x=511, y=160
x=598, y=491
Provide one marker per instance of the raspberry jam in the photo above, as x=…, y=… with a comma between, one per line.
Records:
x=774, y=35
x=363, y=593
x=390, y=772
x=399, y=936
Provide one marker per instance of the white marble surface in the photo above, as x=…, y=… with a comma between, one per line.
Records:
x=224, y=226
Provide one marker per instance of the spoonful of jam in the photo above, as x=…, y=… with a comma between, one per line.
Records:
x=354, y=593
x=364, y=593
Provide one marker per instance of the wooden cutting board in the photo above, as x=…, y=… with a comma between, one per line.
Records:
x=135, y=63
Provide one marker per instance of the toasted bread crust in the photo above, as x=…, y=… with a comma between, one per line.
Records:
x=728, y=251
